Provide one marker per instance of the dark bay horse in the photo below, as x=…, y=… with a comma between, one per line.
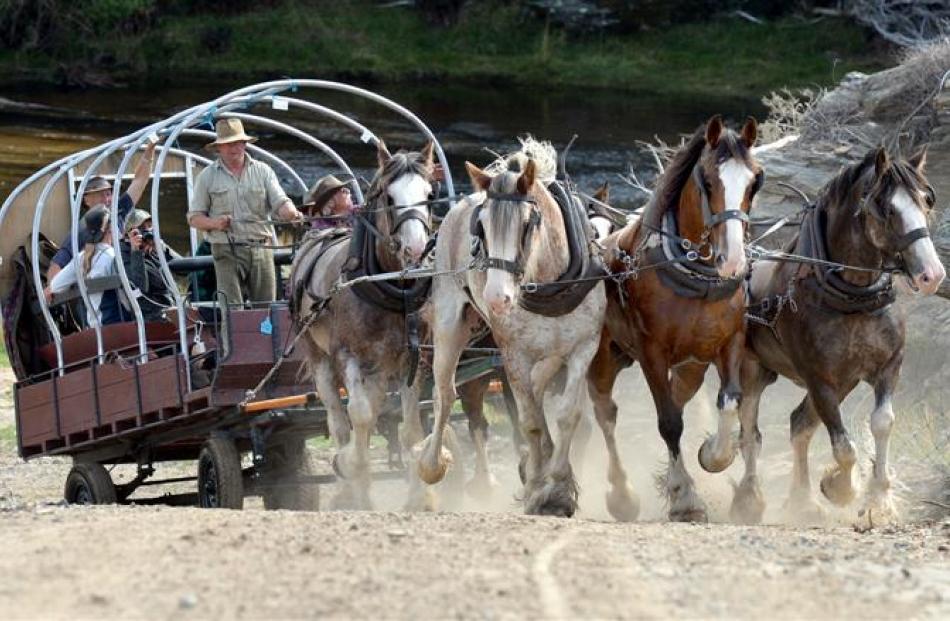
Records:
x=682, y=312
x=829, y=330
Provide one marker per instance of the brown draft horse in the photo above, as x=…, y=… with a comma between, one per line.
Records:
x=681, y=313
x=827, y=331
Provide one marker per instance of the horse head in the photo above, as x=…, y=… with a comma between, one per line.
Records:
x=507, y=225
x=724, y=181
x=895, y=202
x=399, y=198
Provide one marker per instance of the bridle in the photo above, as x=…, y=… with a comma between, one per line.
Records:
x=480, y=246
x=398, y=215
x=904, y=240
x=712, y=220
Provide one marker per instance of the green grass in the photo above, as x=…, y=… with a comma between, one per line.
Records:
x=490, y=45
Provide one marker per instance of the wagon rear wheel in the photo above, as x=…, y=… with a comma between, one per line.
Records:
x=280, y=491
x=220, y=485
x=89, y=484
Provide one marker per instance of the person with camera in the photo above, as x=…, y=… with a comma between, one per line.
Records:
x=143, y=266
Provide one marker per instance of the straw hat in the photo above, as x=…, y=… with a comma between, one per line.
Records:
x=229, y=130
x=322, y=191
x=97, y=184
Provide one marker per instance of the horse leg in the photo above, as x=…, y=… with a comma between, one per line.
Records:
x=528, y=382
x=836, y=483
x=517, y=440
x=803, y=423
x=718, y=452
x=622, y=502
x=878, y=502
x=366, y=396
x=450, y=335
x=472, y=395
x=421, y=497
x=748, y=504
x=339, y=425
x=685, y=504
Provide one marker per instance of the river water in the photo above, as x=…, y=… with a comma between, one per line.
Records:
x=467, y=120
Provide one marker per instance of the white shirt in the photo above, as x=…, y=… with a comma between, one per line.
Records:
x=103, y=264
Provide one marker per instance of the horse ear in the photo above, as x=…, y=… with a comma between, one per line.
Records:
x=427, y=152
x=713, y=130
x=480, y=180
x=603, y=193
x=382, y=153
x=750, y=132
x=881, y=161
x=526, y=180
x=919, y=159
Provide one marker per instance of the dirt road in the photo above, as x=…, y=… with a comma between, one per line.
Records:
x=179, y=563
x=161, y=562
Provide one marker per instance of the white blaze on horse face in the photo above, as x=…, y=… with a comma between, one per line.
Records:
x=924, y=254
x=500, y=287
x=735, y=177
x=601, y=227
x=408, y=190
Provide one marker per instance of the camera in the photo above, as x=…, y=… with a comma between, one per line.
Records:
x=148, y=236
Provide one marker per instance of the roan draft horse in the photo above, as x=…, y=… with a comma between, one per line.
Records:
x=683, y=308
x=827, y=328
x=522, y=235
x=359, y=337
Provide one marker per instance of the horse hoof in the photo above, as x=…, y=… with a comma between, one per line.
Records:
x=710, y=463
x=748, y=505
x=432, y=468
x=689, y=514
x=557, y=498
x=836, y=486
x=623, y=504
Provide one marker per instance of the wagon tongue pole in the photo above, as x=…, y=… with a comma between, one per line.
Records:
x=309, y=399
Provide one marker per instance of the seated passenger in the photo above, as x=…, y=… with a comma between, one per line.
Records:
x=330, y=204
x=96, y=260
x=143, y=267
x=98, y=191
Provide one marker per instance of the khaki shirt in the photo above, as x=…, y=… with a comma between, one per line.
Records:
x=248, y=200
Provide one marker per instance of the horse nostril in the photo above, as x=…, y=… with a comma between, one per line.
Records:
x=720, y=259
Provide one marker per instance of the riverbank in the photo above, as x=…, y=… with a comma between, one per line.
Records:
x=492, y=46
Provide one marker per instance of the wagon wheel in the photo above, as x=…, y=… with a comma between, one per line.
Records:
x=220, y=485
x=287, y=461
x=89, y=484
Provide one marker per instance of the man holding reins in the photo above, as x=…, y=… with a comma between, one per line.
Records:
x=232, y=200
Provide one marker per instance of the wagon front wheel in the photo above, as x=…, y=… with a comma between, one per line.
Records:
x=220, y=485
x=89, y=484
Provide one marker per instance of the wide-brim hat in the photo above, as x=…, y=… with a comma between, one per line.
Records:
x=136, y=218
x=227, y=131
x=97, y=184
x=95, y=224
x=323, y=190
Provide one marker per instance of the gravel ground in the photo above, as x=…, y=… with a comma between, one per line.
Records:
x=486, y=562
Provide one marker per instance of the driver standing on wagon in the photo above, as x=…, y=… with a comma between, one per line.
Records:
x=232, y=199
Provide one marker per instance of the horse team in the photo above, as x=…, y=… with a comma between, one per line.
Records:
x=676, y=292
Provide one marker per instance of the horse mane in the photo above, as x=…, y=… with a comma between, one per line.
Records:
x=541, y=151
x=846, y=187
x=398, y=165
x=671, y=183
